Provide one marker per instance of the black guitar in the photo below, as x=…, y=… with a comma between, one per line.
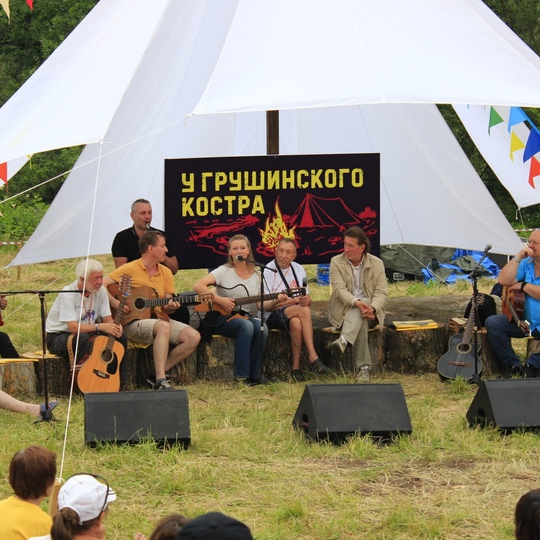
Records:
x=459, y=360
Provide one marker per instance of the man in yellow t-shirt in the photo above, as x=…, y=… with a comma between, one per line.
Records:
x=148, y=271
x=32, y=472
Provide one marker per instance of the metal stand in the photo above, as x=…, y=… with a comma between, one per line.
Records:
x=475, y=379
x=46, y=415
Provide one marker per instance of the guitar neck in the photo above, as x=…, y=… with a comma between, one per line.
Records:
x=254, y=299
x=181, y=298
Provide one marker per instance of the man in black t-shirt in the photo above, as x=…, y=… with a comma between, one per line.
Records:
x=125, y=246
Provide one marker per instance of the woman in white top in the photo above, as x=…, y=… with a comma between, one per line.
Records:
x=236, y=290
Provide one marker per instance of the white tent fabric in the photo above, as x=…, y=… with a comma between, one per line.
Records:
x=430, y=194
x=322, y=53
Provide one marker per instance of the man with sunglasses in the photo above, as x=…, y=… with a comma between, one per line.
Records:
x=521, y=277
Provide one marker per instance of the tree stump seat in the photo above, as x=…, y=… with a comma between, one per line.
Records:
x=18, y=377
x=377, y=348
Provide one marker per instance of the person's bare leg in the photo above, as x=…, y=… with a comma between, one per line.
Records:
x=295, y=329
x=188, y=339
x=11, y=404
x=303, y=314
x=161, y=347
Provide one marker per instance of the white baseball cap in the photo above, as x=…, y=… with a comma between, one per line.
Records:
x=86, y=495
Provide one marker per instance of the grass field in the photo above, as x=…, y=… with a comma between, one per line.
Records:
x=444, y=481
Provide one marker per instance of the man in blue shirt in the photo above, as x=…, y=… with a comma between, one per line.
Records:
x=520, y=275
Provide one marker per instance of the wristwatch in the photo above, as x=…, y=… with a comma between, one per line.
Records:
x=523, y=283
x=517, y=259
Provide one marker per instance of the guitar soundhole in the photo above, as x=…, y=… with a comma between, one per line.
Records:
x=139, y=303
x=464, y=348
x=106, y=355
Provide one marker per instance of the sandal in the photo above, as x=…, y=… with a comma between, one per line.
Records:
x=52, y=406
x=318, y=367
x=297, y=376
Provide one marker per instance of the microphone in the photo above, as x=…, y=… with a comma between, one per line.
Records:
x=304, y=282
x=487, y=248
x=261, y=265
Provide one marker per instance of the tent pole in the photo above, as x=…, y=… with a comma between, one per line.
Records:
x=272, y=132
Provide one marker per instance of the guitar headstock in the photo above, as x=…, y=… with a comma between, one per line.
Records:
x=293, y=293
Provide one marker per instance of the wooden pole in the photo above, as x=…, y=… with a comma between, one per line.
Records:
x=272, y=132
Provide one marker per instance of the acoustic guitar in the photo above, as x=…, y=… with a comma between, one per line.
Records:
x=101, y=371
x=513, y=306
x=291, y=293
x=143, y=300
x=459, y=360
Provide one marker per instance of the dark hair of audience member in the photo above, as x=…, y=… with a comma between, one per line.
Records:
x=32, y=472
x=167, y=528
x=527, y=516
x=66, y=524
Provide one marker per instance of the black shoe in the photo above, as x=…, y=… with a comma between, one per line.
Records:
x=530, y=372
x=297, y=376
x=512, y=372
x=260, y=380
x=318, y=367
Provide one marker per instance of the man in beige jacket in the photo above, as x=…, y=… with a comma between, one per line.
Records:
x=358, y=298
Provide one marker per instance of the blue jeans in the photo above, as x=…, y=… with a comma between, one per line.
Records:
x=248, y=354
x=500, y=330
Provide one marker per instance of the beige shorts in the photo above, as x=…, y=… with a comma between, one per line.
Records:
x=142, y=330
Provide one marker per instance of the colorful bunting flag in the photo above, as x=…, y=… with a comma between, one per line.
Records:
x=534, y=171
x=515, y=144
x=3, y=173
x=516, y=117
x=533, y=145
x=5, y=5
x=494, y=118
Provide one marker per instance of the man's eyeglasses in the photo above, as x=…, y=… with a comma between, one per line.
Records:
x=533, y=243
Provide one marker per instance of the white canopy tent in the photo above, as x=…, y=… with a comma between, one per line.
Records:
x=126, y=79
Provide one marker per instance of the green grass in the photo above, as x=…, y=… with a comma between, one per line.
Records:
x=444, y=481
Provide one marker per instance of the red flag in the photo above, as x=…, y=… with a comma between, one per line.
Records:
x=534, y=171
x=3, y=172
x=30, y=3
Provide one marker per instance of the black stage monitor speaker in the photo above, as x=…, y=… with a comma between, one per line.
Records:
x=335, y=411
x=507, y=404
x=128, y=417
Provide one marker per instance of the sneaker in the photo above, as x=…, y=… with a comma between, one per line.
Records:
x=338, y=347
x=163, y=384
x=297, y=376
x=364, y=374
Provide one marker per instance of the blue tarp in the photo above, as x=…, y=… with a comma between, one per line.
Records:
x=463, y=262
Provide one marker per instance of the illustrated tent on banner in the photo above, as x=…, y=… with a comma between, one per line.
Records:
x=126, y=81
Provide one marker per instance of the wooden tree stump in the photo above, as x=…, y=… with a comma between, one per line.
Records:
x=326, y=336
x=277, y=356
x=18, y=378
x=215, y=360
x=415, y=351
x=533, y=346
x=137, y=369
x=58, y=373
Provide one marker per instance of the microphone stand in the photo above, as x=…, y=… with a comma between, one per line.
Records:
x=475, y=379
x=46, y=415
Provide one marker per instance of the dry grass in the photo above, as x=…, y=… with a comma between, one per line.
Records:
x=444, y=481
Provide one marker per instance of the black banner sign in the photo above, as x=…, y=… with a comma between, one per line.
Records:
x=310, y=198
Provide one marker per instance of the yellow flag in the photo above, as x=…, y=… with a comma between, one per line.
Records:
x=515, y=144
x=5, y=5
